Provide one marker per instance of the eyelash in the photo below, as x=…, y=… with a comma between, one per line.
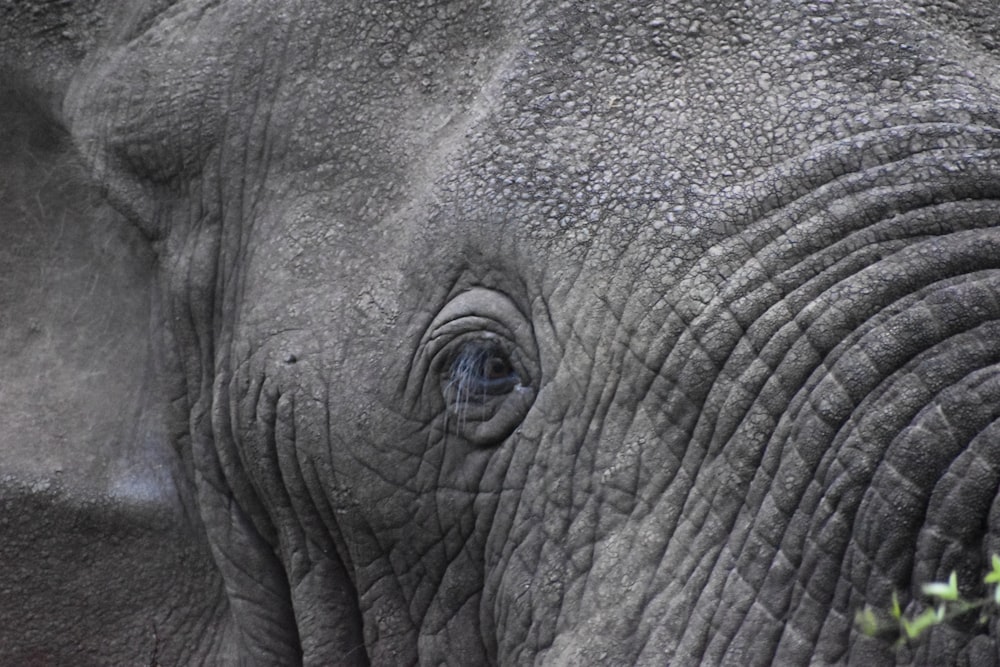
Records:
x=480, y=371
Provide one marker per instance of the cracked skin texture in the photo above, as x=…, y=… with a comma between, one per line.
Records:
x=742, y=260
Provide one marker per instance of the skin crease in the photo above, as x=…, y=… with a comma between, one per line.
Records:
x=743, y=262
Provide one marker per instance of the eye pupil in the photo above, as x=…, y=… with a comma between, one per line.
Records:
x=497, y=367
x=480, y=371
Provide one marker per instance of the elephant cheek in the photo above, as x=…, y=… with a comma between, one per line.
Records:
x=574, y=557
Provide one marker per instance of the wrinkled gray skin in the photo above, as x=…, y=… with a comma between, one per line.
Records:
x=498, y=332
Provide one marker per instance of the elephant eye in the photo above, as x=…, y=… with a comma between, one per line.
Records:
x=481, y=371
x=476, y=370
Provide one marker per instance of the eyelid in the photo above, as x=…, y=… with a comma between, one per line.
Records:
x=485, y=327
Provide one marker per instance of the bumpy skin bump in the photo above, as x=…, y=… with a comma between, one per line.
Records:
x=747, y=256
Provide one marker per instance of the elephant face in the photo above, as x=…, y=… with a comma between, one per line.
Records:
x=580, y=333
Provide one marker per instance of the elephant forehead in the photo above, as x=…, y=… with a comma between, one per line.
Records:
x=587, y=112
x=650, y=142
x=648, y=138
x=646, y=116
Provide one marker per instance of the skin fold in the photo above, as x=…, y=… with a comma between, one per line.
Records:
x=498, y=332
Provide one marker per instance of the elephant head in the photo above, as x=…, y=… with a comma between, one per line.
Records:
x=563, y=333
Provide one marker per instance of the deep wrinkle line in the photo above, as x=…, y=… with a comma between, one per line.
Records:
x=786, y=218
x=869, y=559
x=872, y=267
x=974, y=450
x=879, y=392
x=845, y=437
x=784, y=301
x=720, y=294
x=796, y=169
x=723, y=293
x=934, y=410
x=765, y=447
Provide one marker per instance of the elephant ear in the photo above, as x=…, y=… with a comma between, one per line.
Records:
x=99, y=561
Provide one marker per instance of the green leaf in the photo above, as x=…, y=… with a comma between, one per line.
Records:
x=993, y=576
x=925, y=620
x=897, y=612
x=866, y=621
x=996, y=595
x=943, y=591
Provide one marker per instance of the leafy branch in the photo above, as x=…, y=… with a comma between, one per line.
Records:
x=948, y=605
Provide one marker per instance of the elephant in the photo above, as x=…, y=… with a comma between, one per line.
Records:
x=497, y=332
